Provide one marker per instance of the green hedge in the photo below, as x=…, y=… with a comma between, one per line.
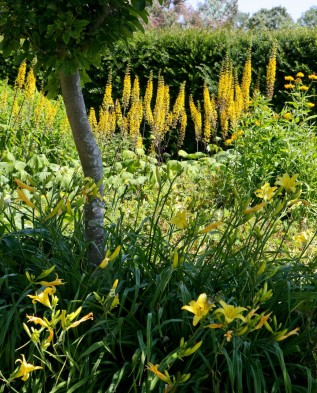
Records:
x=190, y=55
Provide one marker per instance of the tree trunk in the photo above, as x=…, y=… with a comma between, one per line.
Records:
x=91, y=161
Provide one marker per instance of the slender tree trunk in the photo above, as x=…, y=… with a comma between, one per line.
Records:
x=91, y=161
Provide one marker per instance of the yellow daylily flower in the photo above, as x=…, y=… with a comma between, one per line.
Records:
x=180, y=219
x=43, y=297
x=200, y=307
x=24, y=370
x=38, y=321
x=288, y=183
x=255, y=208
x=210, y=227
x=57, y=281
x=266, y=192
x=154, y=369
x=230, y=312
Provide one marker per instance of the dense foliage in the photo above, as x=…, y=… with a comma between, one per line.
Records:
x=209, y=275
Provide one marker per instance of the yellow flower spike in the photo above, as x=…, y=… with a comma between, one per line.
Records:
x=180, y=219
x=199, y=308
x=23, y=185
x=210, y=227
x=83, y=319
x=230, y=312
x=228, y=335
x=154, y=369
x=288, y=183
x=299, y=75
x=266, y=192
x=19, y=82
x=57, y=281
x=282, y=336
x=24, y=370
x=289, y=78
x=255, y=208
x=25, y=199
x=43, y=297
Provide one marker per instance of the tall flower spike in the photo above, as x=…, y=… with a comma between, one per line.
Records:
x=271, y=72
x=19, y=82
x=246, y=79
x=30, y=85
x=126, y=93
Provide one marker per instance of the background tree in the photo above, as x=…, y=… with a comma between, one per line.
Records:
x=309, y=18
x=172, y=13
x=66, y=38
x=271, y=19
x=241, y=20
x=215, y=13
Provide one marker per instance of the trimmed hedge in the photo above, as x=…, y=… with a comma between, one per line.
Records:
x=191, y=55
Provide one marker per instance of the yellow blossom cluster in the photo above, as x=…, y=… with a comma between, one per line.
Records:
x=271, y=72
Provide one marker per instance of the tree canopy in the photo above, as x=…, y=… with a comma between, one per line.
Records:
x=271, y=19
x=68, y=35
x=309, y=18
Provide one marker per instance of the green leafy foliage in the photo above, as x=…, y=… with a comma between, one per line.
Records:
x=230, y=229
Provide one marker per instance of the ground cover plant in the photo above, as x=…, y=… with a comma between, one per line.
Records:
x=209, y=276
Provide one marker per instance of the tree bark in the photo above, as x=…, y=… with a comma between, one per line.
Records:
x=91, y=161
